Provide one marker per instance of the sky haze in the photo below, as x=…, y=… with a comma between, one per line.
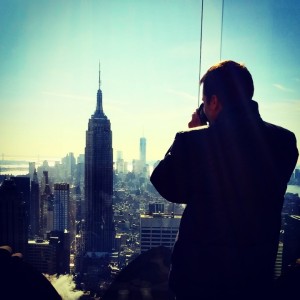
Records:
x=149, y=57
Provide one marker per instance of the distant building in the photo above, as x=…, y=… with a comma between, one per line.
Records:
x=42, y=256
x=61, y=241
x=291, y=241
x=297, y=175
x=158, y=229
x=50, y=256
x=278, y=262
x=140, y=166
x=61, y=211
x=34, y=211
x=69, y=165
x=121, y=166
x=291, y=205
x=23, y=187
x=156, y=208
x=32, y=169
x=99, y=231
x=79, y=175
x=14, y=194
x=143, y=150
x=46, y=209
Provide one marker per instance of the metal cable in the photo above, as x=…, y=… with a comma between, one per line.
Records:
x=200, y=53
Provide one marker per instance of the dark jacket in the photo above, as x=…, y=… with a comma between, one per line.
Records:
x=232, y=176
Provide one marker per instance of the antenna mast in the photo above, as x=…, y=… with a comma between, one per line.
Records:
x=99, y=76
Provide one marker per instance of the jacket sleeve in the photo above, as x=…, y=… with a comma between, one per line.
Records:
x=169, y=176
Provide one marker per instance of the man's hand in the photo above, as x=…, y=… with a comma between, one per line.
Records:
x=195, y=121
x=21, y=280
x=6, y=251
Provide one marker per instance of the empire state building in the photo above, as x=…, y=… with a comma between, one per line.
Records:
x=99, y=181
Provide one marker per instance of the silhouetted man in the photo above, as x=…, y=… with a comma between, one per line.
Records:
x=232, y=175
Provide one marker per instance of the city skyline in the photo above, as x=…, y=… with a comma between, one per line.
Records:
x=149, y=55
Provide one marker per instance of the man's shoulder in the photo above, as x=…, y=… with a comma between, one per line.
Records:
x=279, y=130
x=194, y=131
x=282, y=140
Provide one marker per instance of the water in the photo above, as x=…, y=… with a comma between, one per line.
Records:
x=295, y=189
x=14, y=168
x=19, y=167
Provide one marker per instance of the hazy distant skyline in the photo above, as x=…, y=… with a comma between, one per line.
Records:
x=149, y=55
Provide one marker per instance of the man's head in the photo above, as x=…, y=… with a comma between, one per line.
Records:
x=226, y=85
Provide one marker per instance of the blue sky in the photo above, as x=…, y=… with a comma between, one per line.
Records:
x=149, y=55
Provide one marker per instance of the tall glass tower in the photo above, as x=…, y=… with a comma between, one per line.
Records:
x=61, y=207
x=143, y=150
x=99, y=229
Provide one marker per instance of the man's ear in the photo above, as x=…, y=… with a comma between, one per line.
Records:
x=215, y=103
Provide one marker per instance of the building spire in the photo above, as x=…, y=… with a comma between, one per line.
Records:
x=99, y=109
x=99, y=76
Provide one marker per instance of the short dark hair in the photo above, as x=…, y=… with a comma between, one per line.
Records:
x=230, y=81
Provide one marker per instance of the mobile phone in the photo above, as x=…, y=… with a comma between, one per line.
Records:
x=202, y=116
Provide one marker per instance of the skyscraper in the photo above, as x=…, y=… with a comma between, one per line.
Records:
x=143, y=150
x=158, y=229
x=34, y=211
x=99, y=227
x=61, y=213
x=14, y=198
x=32, y=169
x=46, y=208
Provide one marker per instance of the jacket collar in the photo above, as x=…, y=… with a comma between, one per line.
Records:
x=237, y=116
